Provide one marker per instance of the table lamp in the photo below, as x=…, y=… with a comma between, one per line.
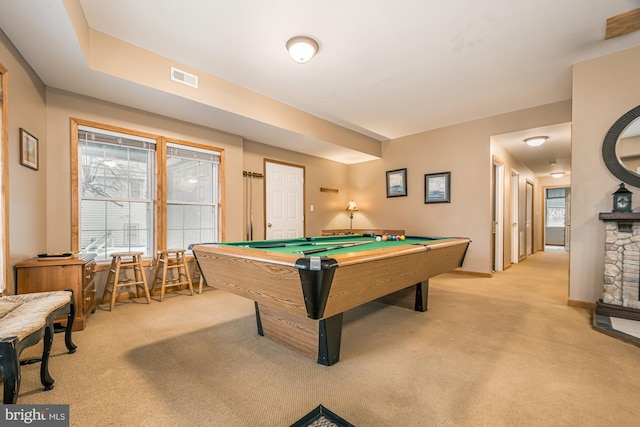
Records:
x=351, y=207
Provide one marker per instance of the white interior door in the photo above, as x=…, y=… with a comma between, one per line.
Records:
x=284, y=201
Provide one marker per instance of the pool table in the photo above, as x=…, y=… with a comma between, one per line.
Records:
x=301, y=287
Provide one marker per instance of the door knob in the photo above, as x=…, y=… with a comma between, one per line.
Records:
x=269, y=225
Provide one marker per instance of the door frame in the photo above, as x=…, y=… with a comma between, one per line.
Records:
x=529, y=236
x=497, y=217
x=515, y=216
x=567, y=220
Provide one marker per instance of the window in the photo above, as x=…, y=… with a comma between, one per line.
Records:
x=116, y=177
x=555, y=214
x=191, y=195
x=138, y=192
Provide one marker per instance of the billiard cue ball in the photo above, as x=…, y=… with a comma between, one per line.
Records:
x=378, y=238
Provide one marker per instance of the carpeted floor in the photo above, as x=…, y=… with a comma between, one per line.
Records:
x=504, y=351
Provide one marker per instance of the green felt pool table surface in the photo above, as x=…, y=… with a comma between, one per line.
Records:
x=356, y=242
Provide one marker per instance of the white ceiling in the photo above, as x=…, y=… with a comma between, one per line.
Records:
x=385, y=69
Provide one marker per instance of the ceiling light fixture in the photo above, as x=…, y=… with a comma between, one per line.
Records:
x=557, y=174
x=302, y=48
x=536, y=141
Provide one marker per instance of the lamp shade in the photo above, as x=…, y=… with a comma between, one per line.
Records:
x=351, y=206
x=302, y=49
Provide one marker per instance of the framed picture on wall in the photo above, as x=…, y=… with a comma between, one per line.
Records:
x=437, y=187
x=397, y=183
x=28, y=150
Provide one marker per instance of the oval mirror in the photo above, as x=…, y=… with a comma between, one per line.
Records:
x=621, y=148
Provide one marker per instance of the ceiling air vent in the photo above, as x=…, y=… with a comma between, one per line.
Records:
x=184, y=77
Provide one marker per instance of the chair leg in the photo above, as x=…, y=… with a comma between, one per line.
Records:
x=137, y=273
x=143, y=278
x=109, y=281
x=180, y=258
x=45, y=377
x=155, y=276
x=116, y=278
x=165, y=259
x=10, y=369
x=69, y=329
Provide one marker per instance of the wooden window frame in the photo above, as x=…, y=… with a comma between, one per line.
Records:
x=4, y=183
x=160, y=199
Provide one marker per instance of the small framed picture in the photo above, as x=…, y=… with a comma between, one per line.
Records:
x=397, y=183
x=29, y=154
x=437, y=187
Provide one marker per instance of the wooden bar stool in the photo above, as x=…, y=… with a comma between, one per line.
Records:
x=117, y=277
x=171, y=270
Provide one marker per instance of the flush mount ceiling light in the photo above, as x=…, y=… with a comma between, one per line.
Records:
x=536, y=141
x=557, y=174
x=302, y=48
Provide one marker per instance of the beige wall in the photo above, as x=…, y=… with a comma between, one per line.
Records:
x=603, y=90
x=465, y=151
x=25, y=99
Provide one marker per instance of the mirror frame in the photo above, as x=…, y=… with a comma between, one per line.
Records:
x=609, y=148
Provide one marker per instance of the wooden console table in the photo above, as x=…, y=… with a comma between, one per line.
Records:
x=376, y=231
x=34, y=275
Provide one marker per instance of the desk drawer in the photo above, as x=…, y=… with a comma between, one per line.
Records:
x=88, y=272
x=88, y=298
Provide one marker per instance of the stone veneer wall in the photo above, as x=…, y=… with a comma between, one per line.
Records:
x=622, y=265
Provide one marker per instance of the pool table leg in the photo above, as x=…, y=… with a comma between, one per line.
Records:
x=329, y=336
x=422, y=296
x=319, y=339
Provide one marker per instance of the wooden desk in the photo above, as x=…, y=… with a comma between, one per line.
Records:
x=34, y=275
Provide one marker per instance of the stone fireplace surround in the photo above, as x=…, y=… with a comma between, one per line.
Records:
x=621, y=297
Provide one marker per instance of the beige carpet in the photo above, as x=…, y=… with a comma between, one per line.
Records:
x=505, y=351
